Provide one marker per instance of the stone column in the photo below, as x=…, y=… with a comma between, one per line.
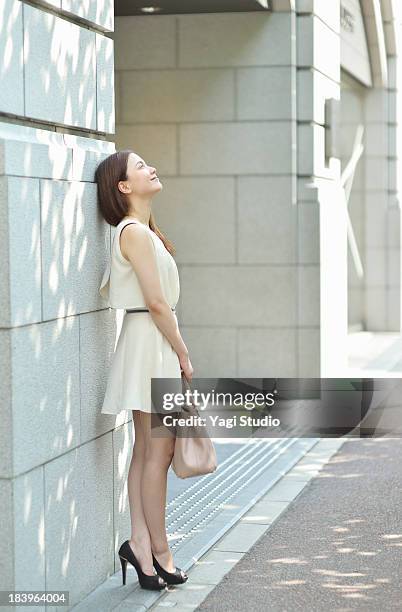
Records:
x=322, y=226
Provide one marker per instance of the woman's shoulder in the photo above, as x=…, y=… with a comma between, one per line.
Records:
x=141, y=227
x=133, y=223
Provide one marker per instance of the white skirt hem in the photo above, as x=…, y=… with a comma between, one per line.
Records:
x=142, y=353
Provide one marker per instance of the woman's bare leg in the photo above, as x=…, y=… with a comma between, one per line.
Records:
x=158, y=456
x=140, y=540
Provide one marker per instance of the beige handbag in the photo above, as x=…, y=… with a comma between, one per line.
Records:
x=193, y=455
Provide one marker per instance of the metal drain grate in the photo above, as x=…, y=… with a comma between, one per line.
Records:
x=201, y=513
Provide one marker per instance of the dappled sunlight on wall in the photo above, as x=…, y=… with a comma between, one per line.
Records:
x=56, y=337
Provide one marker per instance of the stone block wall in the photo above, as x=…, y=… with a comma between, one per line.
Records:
x=383, y=207
x=210, y=101
x=61, y=462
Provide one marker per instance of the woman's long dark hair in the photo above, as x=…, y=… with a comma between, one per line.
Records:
x=111, y=202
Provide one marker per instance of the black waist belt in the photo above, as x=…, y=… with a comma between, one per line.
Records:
x=142, y=309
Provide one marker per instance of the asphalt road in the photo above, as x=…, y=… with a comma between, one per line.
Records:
x=337, y=547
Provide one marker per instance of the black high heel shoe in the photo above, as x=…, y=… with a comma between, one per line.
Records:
x=177, y=577
x=152, y=583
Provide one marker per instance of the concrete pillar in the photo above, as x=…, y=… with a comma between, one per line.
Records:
x=323, y=320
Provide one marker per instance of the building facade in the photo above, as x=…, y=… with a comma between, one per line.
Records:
x=251, y=119
x=276, y=134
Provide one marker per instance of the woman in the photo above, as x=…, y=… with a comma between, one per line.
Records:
x=142, y=277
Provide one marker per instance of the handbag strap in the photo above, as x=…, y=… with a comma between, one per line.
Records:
x=188, y=387
x=186, y=381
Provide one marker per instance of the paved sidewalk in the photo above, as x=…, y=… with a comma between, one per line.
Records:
x=337, y=547
x=209, y=569
x=201, y=512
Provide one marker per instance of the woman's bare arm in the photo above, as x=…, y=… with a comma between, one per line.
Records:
x=136, y=245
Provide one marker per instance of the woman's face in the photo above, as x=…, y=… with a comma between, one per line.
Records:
x=142, y=179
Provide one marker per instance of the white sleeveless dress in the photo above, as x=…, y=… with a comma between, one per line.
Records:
x=142, y=350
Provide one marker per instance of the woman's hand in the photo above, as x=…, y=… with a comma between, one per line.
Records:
x=186, y=367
